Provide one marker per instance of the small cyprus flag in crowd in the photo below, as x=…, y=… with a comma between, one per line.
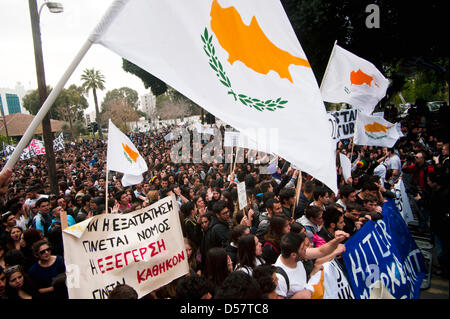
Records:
x=123, y=157
x=353, y=80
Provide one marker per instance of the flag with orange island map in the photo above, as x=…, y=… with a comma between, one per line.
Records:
x=353, y=80
x=239, y=60
x=122, y=156
x=375, y=131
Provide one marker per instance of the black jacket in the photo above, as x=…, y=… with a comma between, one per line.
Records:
x=218, y=235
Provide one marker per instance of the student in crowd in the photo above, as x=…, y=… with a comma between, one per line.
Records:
x=279, y=226
x=218, y=266
x=47, y=267
x=19, y=285
x=249, y=254
x=232, y=248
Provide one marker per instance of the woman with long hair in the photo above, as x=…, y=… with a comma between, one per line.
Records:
x=14, y=238
x=228, y=198
x=249, y=254
x=191, y=227
x=18, y=284
x=279, y=225
x=191, y=251
x=218, y=266
x=28, y=238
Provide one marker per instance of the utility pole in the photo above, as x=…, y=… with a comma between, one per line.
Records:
x=42, y=89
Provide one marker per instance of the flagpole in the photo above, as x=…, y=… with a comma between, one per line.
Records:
x=46, y=106
x=106, y=190
x=328, y=65
x=351, y=154
x=297, y=191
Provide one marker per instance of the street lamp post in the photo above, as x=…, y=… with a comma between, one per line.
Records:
x=42, y=87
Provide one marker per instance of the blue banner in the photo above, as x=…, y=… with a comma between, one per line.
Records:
x=384, y=252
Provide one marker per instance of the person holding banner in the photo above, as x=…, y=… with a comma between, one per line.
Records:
x=333, y=220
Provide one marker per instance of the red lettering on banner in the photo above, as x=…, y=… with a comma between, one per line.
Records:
x=100, y=265
x=160, y=268
x=142, y=251
x=109, y=263
x=118, y=261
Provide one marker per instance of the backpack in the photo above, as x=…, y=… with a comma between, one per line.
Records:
x=282, y=272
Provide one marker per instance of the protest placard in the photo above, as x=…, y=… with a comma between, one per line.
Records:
x=231, y=139
x=383, y=254
x=343, y=123
x=333, y=282
x=346, y=166
x=143, y=249
x=242, y=195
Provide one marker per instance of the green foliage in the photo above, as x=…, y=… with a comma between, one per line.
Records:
x=31, y=102
x=130, y=95
x=92, y=80
x=157, y=86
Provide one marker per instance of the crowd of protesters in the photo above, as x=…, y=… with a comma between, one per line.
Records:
x=267, y=250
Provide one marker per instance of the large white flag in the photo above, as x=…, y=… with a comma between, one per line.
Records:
x=124, y=157
x=375, y=131
x=353, y=80
x=239, y=60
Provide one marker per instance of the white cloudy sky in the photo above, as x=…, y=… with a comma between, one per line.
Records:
x=62, y=36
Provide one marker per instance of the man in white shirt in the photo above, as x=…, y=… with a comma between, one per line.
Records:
x=392, y=162
x=294, y=249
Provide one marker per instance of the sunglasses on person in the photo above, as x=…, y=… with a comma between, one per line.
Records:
x=43, y=251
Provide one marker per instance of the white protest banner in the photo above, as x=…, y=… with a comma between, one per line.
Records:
x=8, y=150
x=242, y=195
x=58, y=143
x=168, y=137
x=203, y=128
x=344, y=123
x=402, y=201
x=332, y=281
x=37, y=147
x=27, y=153
x=143, y=249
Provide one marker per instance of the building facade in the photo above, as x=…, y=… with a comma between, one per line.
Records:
x=11, y=100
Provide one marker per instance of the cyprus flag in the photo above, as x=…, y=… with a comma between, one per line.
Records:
x=353, y=80
x=239, y=60
x=123, y=157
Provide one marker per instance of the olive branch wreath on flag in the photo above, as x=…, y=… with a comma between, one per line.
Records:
x=216, y=65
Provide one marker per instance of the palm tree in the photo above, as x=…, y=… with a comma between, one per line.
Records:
x=94, y=80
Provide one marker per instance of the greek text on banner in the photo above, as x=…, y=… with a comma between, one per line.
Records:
x=144, y=249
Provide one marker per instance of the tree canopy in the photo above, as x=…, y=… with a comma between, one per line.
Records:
x=126, y=93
